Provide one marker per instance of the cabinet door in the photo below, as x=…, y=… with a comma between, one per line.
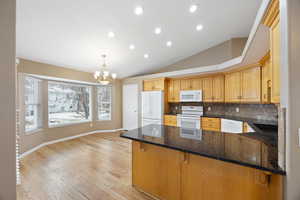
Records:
x=207, y=89
x=158, y=84
x=171, y=91
x=176, y=90
x=251, y=85
x=218, y=88
x=196, y=84
x=155, y=170
x=233, y=87
x=170, y=120
x=185, y=84
x=266, y=82
x=275, y=60
x=148, y=85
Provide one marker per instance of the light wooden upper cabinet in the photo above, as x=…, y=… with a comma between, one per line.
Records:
x=272, y=20
x=275, y=60
x=154, y=84
x=207, y=89
x=233, y=87
x=218, y=88
x=173, y=90
x=266, y=79
x=191, y=84
x=251, y=85
x=243, y=86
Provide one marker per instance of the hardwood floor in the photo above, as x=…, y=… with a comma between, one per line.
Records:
x=94, y=167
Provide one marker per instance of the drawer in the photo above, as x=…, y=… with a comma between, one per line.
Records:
x=210, y=124
x=170, y=120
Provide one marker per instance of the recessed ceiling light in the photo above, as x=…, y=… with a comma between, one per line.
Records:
x=169, y=44
x=131, y=47
x=193, y=8
x=146, y=55
x=157, y=30
x=138, y=10
x=111, y=34
x=199, y=27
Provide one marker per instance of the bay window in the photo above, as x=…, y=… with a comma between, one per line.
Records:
x=33, y=108
x=68, y=103
x=104, y=102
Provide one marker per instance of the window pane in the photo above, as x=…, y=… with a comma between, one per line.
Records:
x=32, y=104
x=68, y=103
x=104, y=102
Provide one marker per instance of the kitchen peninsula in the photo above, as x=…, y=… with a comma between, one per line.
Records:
x=171, y=165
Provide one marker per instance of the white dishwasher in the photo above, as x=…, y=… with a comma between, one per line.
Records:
x=231, y=126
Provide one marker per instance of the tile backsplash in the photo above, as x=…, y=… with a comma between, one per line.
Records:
x=255, y=111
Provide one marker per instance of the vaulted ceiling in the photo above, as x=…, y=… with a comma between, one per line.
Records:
x=74, y=34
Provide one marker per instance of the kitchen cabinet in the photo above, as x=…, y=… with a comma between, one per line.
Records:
x=154, y=84
x=213, y=89
x=275, y=60
x=243, y=86
x=233, y=87
x=205, y=178
x=211, y=124
x=173, y=90
x=207, y=89
x=272, y=20
x=191, y=84
x=156, y=170
x=266, y=79
x=218, y=88
x=251, y=85
x=170, y=120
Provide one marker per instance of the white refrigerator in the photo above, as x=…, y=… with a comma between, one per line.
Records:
x=152, y=107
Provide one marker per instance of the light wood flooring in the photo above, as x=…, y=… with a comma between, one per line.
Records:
x=94, y=167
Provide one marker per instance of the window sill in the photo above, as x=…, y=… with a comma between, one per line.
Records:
x=69, y=124
x=34, y=131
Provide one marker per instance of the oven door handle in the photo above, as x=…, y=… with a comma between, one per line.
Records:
x=192, y=118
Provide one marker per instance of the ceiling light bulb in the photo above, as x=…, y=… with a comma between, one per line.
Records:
x=193, y=8
x=157, y=30
x=169, y=43
x=114, y=75
x=138, y=10
x=131, y=47
x=111, y=34
x=146, y=55
x=199, y=27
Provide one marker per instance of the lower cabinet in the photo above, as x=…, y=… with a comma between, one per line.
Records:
x=173, y=175
x=170, y=120
x=156, y=170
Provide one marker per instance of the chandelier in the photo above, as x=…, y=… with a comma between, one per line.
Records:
x=104, y=77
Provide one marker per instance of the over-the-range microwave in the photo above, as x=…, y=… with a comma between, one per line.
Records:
x=191, y=96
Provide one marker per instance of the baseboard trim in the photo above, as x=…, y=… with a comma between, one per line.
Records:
x=26, y=153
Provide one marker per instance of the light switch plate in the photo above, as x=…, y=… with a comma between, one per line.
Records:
x=209, y=108
x=237, y=109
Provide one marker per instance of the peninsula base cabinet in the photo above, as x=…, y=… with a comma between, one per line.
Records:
x=168, y=174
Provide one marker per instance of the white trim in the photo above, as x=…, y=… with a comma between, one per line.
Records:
x=65, y=139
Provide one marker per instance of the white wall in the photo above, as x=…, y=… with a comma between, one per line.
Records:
x=7, y=100
x=290, y=92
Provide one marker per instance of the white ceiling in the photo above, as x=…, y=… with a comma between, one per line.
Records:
x=73, y=34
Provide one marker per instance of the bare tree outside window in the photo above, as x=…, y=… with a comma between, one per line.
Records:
x=104, y=102
x=68, y=103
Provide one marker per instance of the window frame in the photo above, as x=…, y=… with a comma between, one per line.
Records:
x=76, y=85
x=98, y=103
x=38, y=104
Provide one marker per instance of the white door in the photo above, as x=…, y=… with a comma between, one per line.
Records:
x=130, y=106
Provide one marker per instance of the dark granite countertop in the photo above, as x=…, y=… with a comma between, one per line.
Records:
x=254, y=150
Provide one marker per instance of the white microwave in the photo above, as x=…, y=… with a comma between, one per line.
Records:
x=191, y=96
